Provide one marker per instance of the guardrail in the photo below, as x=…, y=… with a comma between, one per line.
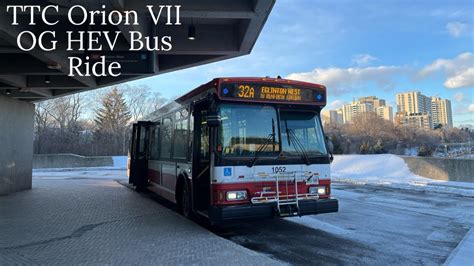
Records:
x=455, y=150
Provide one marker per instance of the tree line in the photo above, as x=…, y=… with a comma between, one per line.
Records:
x=92, y=123
x=370, y=134
x=99, y=123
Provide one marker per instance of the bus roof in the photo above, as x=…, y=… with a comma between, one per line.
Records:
x=213, y=84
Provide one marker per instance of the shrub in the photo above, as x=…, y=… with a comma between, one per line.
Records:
x=424, y=150
x=379, y=148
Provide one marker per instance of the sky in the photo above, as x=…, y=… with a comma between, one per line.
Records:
x=357, y=48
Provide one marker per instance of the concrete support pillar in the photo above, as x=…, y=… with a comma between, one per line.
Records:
x=16, y=144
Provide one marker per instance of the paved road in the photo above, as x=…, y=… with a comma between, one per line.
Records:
x=375, y=225
x=93, y=221
x=100, y=221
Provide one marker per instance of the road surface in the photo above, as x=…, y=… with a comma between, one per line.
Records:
x=375, y=225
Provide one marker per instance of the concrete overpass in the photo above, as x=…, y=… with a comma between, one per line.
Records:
x=210, y=31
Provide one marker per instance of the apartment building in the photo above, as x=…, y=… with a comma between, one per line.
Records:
x=385, y=112
x=441, y=112
x=413, y=102
x=416, y=108
x=413, y=108
x=418, y=120
x=332, y=117
x=366, y=105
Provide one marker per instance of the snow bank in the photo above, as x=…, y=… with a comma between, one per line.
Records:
x=81, y=173
x=378, y=168
x=117, y=171
x=390, y=170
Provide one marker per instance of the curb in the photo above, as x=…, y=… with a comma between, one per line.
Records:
x=462, y=254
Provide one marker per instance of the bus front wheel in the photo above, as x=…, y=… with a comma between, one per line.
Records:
x=185, y=201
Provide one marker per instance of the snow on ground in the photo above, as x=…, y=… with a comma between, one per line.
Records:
x=81, y=173
x=311, y=222
x=117, y=171
x=402, y=226
x=390, y=170
x=379, y=168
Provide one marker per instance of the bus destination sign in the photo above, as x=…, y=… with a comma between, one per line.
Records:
x=271, y=93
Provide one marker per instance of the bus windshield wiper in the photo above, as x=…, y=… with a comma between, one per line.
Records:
x=270, y=137
x=299, y=147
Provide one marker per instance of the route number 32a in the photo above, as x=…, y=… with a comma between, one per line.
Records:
x=278, y=169
x=246, y=92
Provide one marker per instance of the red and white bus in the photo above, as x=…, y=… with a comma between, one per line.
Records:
x=238, y=148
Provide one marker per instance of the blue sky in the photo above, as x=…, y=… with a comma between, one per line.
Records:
x=358, y=48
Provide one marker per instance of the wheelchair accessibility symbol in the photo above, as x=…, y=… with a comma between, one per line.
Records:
x=227, y=171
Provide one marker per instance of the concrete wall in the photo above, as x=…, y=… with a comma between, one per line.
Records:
x=69, y=160
x=442, y=168
x=16, y=144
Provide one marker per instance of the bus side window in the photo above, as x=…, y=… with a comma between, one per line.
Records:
x=190, y=136
x=141, y=147
x=204, y=136
x=155, y=143
x=166, y=131
x=180, y=135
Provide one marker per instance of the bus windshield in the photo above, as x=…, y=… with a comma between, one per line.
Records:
x=302, y=127
x=249, y=129
x=246, y=129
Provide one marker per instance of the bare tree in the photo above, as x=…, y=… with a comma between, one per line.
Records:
x=77, y=107
x=142, y=101
x=42, y=117
x=137, y=99
x=67, y=124
x=156, y=101
x=66, y=111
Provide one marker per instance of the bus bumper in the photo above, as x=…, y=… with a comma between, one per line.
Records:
x=223, y=214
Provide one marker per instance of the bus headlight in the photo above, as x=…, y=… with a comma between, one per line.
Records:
x=317, y=190
x=236, y=195
x=322, y=190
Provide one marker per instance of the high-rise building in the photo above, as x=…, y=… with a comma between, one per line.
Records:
x=350, y=110
x=413, y=102
x=367, y=105
x=414, y=109
x=385, y=112
x=441, y=112
x=374, y=101
x=332, y=117
x=418, y=120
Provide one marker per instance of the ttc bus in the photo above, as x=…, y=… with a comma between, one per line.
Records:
x=238, y=148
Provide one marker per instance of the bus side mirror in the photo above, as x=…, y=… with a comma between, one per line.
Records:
x=213, y=119
x=330, y=145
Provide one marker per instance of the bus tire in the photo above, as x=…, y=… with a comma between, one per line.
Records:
x=139, y=188
x=184, y=205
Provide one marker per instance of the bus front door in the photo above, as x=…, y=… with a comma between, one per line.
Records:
x=139, y=154
x=201, y=161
